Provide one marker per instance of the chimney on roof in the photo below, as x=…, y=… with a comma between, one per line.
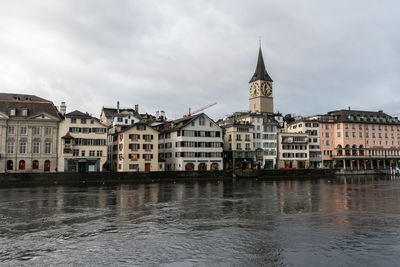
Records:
x=117, y=106
x=63, y=108
x=137, y=108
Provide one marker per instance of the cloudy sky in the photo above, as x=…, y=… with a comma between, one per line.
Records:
x=172, y=55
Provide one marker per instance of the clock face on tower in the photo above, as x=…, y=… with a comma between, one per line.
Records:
x=254, y=90
x=266, y=88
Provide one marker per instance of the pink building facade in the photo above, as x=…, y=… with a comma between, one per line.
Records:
x=359, y=139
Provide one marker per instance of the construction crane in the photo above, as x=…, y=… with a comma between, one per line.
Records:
x=200, y=109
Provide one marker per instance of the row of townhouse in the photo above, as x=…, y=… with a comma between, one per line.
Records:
x=351, y=139
x=36, y=137
x=339, y=139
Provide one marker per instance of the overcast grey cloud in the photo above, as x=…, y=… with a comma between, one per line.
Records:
x=172, y=55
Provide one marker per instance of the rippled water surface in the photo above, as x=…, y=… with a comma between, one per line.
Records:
x=331, y=222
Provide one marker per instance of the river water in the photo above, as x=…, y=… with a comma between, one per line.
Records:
x=334, y=222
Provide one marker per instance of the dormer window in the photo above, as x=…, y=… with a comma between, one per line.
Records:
x=202, y=121
x=13, y=111
x=141, y=127
x=24, y=112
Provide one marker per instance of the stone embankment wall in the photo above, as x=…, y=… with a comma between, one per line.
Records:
x=295, y=173
x=99, y=178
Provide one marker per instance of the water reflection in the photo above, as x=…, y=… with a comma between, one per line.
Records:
x=250, y=222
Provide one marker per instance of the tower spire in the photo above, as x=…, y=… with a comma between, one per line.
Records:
x=261, y=72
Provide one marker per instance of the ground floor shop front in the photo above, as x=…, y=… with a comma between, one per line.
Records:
x=362, y=163
x=82, y=165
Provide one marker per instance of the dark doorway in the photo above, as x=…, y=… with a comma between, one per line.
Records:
x=82, y=166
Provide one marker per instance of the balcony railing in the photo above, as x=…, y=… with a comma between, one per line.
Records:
x=67, y=151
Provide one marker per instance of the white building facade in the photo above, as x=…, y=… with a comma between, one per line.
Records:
x=293, y=151
x=191, y=143
x=310, y=127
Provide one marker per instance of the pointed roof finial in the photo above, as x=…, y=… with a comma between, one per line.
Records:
x=261, y=72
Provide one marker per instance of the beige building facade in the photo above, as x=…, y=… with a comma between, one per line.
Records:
x=238, y=145
x=28, y=134
x=82, y=143
x=135, y=149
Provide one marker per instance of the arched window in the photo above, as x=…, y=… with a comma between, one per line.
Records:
x=214, y=166
x=21, y=165
x=10, y=165
x=347, y=150
x=47, y=165
x=339, y=150
x=202, y=167
x=189, y=167
x=354, y=150
x=361, y=150
x=35, y=165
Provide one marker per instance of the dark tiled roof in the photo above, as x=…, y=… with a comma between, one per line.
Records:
x=35, y=105
x=261, y=72
x=237, y=116
x=78, y=114
x=126, y=128
x=21, y=97
x=110, y=112
x=178, y=124
x=68, y=135
x=346, y=115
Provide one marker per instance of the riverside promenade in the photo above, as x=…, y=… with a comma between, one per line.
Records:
x=100, y=178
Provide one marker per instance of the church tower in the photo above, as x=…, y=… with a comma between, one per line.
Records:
x=261, y=97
